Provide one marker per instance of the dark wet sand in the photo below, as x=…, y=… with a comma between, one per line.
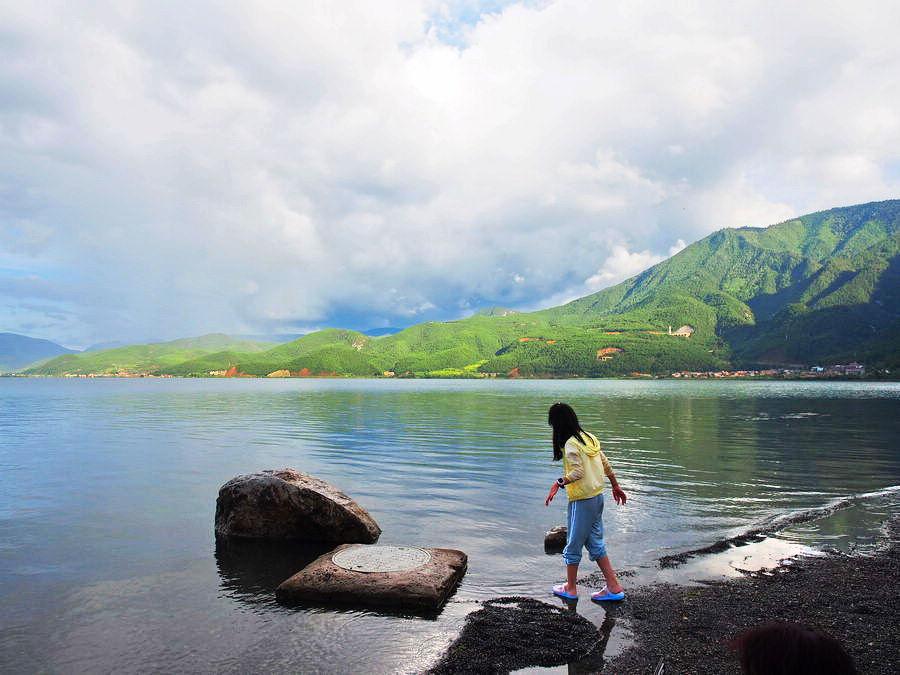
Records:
x=511, y=633
x=856, y=599
x=853, y=598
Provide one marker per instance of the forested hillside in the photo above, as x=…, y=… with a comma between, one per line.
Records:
x=823, y=287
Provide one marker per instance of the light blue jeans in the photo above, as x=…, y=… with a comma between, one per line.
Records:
x=585, y=529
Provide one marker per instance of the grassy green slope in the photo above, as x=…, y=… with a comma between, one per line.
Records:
x=152, y=358
x=524, y=343
x=326, y=351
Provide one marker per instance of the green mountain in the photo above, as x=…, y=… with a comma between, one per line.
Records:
x=18, y=351
x=814, y=290
x=823, y=287
x=152, y=359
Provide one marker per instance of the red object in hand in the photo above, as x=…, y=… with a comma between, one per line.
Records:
x=619, y=495
x=553, y=491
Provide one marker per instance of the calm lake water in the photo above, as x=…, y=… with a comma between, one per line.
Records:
x=107, y=493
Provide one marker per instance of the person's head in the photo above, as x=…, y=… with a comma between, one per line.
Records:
x=784, y=648
x=565, y=425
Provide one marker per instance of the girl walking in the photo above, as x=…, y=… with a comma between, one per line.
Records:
x=584, y=466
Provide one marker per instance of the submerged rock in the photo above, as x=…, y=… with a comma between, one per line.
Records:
x=377, y=576
x=555, y=539
x=288, y=504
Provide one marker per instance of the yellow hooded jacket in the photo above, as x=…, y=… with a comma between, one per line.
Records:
x=584, y=465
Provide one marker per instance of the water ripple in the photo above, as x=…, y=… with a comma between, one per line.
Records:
x=107, y=494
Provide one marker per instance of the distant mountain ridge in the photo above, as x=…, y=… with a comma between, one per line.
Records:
x=18, y=351
x=816, y=289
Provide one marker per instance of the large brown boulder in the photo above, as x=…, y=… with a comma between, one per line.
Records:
x=288, y=504
x=421, y=585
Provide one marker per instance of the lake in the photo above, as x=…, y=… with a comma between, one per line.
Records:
x=107, y=493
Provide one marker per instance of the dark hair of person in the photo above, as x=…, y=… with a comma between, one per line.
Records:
x=565, y=425
x=785, y=648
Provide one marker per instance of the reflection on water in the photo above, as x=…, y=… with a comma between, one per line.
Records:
x=608, y=630
x=732, y=562
x=251, y=570
x=107, y=495
x=594, y=660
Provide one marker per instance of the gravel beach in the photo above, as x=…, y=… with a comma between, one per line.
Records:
x=854, y=598
x=511, y=633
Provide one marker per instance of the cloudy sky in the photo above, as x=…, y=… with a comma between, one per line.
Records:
x=177, y=168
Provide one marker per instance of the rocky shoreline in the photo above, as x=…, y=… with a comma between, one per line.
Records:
x=854, y=598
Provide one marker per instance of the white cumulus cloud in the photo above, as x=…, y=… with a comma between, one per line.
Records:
x=264, y=166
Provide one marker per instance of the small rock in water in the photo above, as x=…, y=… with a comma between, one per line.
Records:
x=378, y=576
x=288, y=504
x=555, y=539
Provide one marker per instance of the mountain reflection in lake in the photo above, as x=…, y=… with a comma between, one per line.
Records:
x=107, y=493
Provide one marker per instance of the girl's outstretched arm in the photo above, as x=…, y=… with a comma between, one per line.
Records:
x=618, y=493
x=553, y=490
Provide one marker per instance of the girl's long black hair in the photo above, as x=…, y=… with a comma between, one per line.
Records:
x=565, y=425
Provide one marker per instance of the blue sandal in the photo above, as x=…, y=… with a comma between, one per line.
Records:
x=604, y=595
x=561, y=592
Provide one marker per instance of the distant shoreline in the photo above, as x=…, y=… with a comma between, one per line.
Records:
x=642, y=377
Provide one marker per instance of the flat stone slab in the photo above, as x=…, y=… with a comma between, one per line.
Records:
x=377, y=576
x=288, y=504
x=555, y=539
x=380, y=558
